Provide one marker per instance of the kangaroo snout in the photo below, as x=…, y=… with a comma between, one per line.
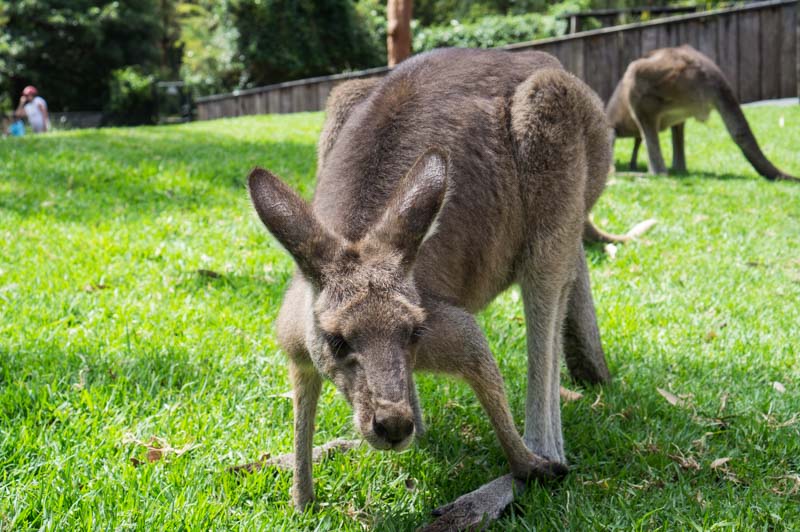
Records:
x=392, y=426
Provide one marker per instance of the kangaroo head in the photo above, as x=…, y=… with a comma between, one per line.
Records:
x=365, y=315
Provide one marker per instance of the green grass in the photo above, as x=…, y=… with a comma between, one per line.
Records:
x=109, y=334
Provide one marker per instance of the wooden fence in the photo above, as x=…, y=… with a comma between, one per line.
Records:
x=755, y=45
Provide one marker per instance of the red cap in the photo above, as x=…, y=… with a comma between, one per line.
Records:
x=30, y=90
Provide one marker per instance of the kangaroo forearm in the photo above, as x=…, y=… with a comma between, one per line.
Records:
x=306, y=384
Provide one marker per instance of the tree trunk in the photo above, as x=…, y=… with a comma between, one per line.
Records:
x=398, y=34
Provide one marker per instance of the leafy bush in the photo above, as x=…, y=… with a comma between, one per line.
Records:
x=488, y=32
x=281, y=40
x=373, y=14
x=211, y=59
x=69, y=49
x=132, y=100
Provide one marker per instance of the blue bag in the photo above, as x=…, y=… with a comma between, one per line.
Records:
x=17, y=129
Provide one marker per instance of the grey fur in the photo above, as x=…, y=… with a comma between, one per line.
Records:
x=504, y=154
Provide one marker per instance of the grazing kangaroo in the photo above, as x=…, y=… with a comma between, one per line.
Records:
x=665, y=88
x=458, y=174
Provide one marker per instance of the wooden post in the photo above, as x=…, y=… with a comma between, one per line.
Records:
x=398, y=34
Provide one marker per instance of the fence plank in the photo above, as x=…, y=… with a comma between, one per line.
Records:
x=596, y=71
x=664, y=33
x=728, y=50
x=611, y=44
x=707, y=38
x=790, y=59
x=630, y=52
x=274, y=102
x=577, y=64
x=323, y=90
x=649, y=39
x=286, y=100
x=770, y=65
x=749, y=86
x=683, y=36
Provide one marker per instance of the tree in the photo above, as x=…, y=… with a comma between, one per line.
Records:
x=290, y=39
x=69, y=49
x=398, y=34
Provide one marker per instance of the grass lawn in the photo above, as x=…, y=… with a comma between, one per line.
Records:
x=113, y=332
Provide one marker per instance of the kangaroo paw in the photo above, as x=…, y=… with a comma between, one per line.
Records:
x=475, y=510
x=540, y=469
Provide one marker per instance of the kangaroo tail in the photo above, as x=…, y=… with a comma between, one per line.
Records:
x=728, y=107
x=593, y=234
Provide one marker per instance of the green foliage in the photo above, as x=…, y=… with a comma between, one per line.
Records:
x=373, y=13
x=69, y=49
x=211, y=62
x=439, y=12
x=488, y=32
x=110, y=335
x=132, y=99
x=290, y=39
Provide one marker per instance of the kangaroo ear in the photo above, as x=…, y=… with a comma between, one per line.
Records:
x=410, y=216
x=289, y=218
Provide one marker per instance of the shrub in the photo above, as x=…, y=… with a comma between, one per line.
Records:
x=281, y=40
x=132, y=100
x=488, y=32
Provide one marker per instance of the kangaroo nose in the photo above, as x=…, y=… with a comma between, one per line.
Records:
x=392, y=428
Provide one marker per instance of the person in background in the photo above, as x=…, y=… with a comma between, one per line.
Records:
x=35, y=108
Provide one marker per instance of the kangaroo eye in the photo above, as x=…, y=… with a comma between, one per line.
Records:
x=416, y=334
x=338, y=345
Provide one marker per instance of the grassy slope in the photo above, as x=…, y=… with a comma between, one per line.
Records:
x=107, y=333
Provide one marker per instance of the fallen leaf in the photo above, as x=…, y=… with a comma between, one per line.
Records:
x=158, y=448
x=94, y=287
x=598, y=402
x=719, y=462
x=411, y=484
x=789, y=485
x=284, y=395
x=568, y=395
x=686, y=462
x=723, y=402
x=672, y=399
x=154, y=454
x=136, y=462
x=778, y=387
x=208, y=273
x=775, y=424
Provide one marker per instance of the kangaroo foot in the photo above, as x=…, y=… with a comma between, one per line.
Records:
x=541, y=469
x=286, y=461
x=475, y=510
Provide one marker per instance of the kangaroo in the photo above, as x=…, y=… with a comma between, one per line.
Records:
x=665, y=88
x=458, y=174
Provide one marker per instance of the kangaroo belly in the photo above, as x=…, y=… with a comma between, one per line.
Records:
x=681, y=113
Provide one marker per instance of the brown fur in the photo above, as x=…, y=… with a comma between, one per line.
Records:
x=665, y=88
x=439, y=186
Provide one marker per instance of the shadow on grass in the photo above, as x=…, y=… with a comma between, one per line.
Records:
x=623, y=170
x=139, y=173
